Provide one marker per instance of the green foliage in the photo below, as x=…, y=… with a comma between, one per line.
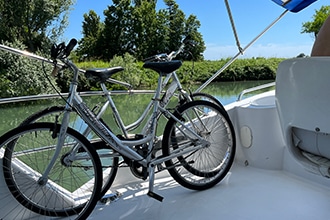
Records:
x=136, y=27
x=241, y=69
x=144, y=27
x=190, y=72
x=318, y=19
x=91, y=46
x=175, y=24
x=21, y=76
x=133, y=72
x=34, y=22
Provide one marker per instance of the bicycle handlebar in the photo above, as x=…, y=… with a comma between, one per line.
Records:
x=62, y=51
x=173, y=54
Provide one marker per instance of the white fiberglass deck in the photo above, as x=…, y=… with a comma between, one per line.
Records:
x=246, y=193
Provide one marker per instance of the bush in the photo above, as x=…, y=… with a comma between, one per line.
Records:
x=21, y=76
x=191, y=72
x=133, y=73
x=239, y=70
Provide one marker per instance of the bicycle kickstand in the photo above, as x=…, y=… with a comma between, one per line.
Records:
x=151, y=192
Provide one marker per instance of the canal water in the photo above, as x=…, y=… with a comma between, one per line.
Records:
x=129, y=106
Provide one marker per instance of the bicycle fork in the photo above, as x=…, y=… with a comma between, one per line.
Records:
x=64, y=125
x=61, y=138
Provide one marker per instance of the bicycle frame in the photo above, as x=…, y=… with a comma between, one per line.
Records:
x=174, y=86
x=123, y=147
x=170, y=92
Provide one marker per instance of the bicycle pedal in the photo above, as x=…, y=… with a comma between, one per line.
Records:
x=111, y=197
x=155, y=196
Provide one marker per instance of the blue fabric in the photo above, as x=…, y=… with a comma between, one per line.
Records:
x=294, y=5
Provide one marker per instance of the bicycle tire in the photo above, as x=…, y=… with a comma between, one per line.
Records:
x=205, y=167
x=72, y=188
x=186, y=164
x=53, y=114
x=109, y=165
x=206, y=97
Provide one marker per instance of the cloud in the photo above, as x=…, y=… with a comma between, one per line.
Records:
x=216, y=52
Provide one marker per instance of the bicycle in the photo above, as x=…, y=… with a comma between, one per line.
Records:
x=198, y=143
x=53, y=112
x=172, y=88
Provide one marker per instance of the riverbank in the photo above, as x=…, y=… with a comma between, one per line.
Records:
x=190, y=72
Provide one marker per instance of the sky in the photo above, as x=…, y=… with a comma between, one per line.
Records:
x=251, y=17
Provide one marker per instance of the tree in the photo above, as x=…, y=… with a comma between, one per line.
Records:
x=318, y=19
x=176, y=22
x=21, y=76
x=136, y=27
x=31, y=25
x=33, y=22
x=162, y=34
x=191, y=31
x=145, y=26
x=90, y=45
x=117, y=29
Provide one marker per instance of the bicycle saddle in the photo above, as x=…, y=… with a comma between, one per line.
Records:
x=102, y=74
x=164, y=66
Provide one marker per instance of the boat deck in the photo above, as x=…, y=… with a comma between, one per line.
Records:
x=246, y=193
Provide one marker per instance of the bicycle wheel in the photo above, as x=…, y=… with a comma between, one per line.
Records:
x=74, y=183
x=54, y=114
x=206, y=97
x=205, y=167
x=109, y=163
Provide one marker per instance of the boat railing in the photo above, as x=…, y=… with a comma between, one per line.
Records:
x=87, y=93
x=253, y=89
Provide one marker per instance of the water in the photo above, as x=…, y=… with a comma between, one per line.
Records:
x=129, y=106
x=227, y=92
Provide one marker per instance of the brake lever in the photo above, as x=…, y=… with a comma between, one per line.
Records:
x=56, y=50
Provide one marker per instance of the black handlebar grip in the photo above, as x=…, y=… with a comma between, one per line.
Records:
x=73, y=42
x=53, y=52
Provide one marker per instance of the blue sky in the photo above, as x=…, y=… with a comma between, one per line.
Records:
x=250, y=16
